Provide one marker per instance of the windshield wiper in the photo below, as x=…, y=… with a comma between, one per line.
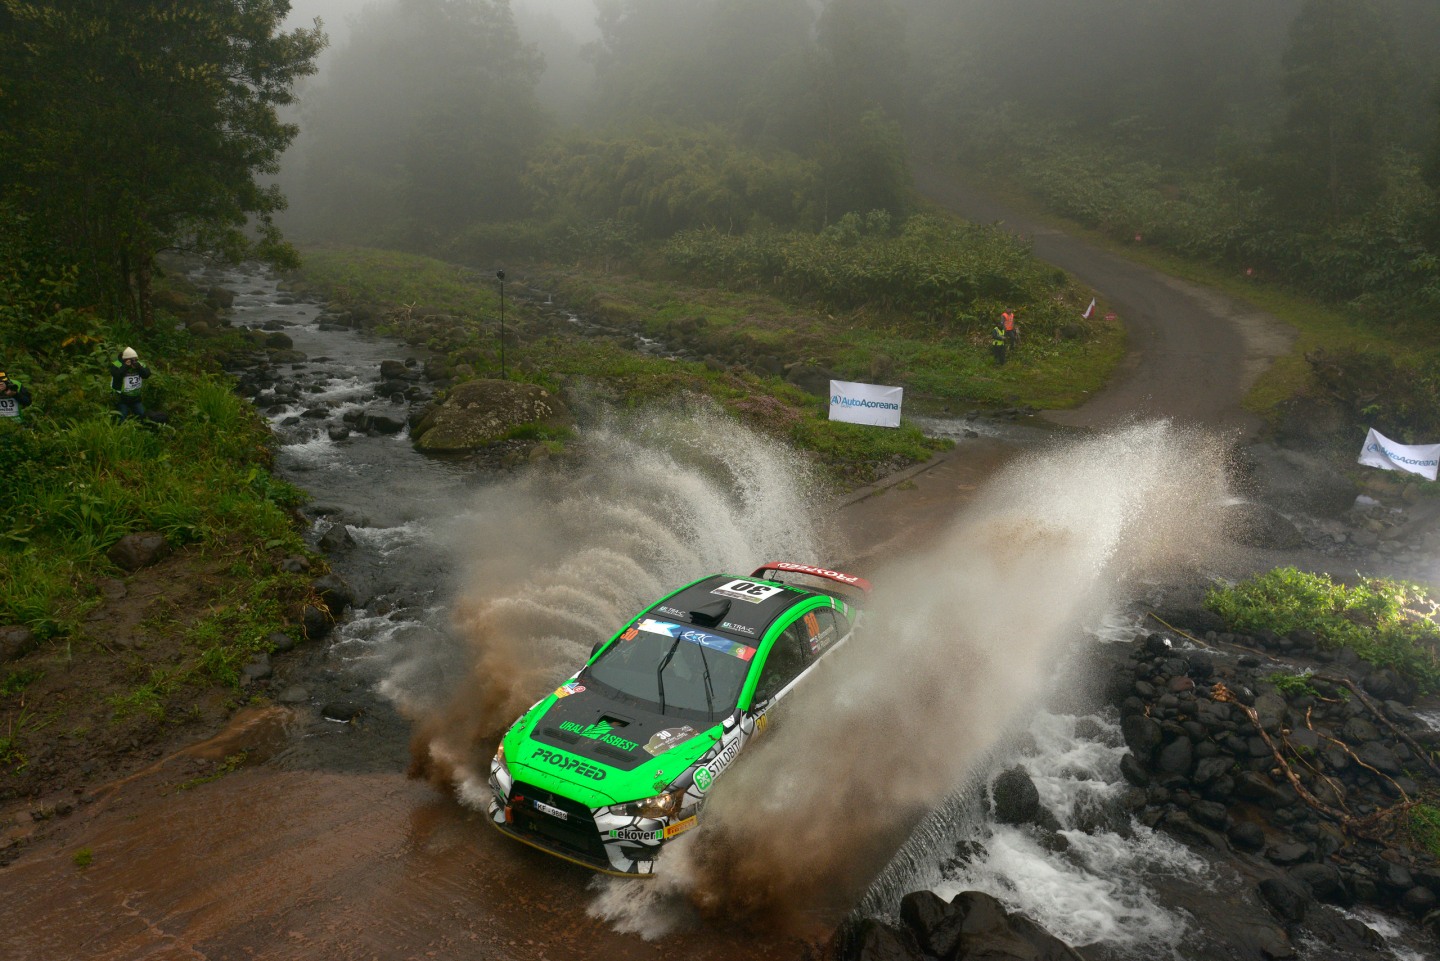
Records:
x=709, y=690
x=659, y=672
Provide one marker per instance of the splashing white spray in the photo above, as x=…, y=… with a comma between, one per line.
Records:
x=557, y=561
x=958, y=649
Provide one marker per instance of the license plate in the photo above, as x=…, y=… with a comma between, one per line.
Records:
x=553, y=812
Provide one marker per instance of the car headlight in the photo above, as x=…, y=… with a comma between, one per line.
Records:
x=660, y=806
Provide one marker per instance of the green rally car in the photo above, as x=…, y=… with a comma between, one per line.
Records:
x=619, y=758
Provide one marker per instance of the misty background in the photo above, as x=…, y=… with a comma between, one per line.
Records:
x=486, y=131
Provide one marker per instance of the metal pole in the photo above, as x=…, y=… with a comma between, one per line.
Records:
x=501, y=275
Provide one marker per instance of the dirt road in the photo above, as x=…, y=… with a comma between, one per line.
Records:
x=1193, y=353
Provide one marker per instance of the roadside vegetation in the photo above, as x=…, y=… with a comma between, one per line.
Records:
x=1386, y=622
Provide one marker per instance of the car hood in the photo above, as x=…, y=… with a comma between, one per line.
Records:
x=601, y=749
x=608, y=731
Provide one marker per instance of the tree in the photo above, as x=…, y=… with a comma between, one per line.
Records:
x=129, y=128
x=1341, y=81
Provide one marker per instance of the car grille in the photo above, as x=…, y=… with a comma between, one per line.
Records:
x=576, y=836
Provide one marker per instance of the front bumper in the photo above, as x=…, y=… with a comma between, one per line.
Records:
x=603, y=839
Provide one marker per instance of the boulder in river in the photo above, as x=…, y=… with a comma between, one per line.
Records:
x=481, y=412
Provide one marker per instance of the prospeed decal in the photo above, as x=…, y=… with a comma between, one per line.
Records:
x=662, y=741
x=712, y=641
x=748, y=591
x=599, y=731
x=566, y=763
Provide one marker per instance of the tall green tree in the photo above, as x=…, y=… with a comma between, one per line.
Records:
x=129, y=127
x=1341, y=79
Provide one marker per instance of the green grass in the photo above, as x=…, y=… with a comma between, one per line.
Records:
x=1425, y=828
x=1387, y=622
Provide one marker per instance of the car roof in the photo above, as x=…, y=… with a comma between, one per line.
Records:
x=715, y=604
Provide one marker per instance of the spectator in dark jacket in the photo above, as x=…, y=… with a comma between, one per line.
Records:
x=14, y=397
x=127, y=379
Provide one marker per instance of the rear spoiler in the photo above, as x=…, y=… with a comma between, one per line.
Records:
x=849, y=580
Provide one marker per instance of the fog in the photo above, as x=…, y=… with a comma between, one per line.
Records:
x=430, y=121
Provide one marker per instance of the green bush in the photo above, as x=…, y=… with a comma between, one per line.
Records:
x=1387, y=622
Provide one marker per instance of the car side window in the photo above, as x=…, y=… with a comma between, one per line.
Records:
x=786, y=660
x=823, y=631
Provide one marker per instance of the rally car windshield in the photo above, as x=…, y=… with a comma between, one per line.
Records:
x=674, y=669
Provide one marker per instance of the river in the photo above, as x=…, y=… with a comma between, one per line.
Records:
x=478, y=589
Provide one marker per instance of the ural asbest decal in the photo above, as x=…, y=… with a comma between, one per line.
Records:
x=599, y=731
x=556, y=759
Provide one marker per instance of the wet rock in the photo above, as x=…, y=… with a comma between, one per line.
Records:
x=337, y=432
x=1418, y=901
x=16, y=641
x=294, y=694
x=334, y=592
x=317, y=622
x=1381, y=758
x=280, y=642
x=1247, y=836
x=134, y=551
x=989, y=931
x=1286, y=897
x=1175, y=757
x=1016, y=799
x=481, y=412
x=1142, y=736
x=219, y=298
x=874, y=940
x=381, y=423
x=295, y=565
x=337, y=538
x=1290, y=852
x=1322, y=881
x=341, y=711
x=256, y=670
x=935, y=926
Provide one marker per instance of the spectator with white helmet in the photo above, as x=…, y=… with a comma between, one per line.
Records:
x=14, y=397
x=127, y=379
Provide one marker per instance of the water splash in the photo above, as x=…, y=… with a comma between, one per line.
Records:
x=556, y=561
x=958, y=651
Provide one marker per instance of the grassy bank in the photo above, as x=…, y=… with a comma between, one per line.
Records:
x=113, y=647
x=741, y=338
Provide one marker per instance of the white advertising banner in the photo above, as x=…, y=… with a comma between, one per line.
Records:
x=1380, y=451
x=865, y=403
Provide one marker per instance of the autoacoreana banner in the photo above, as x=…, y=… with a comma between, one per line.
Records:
x=1380, y=451
x=870, y=404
